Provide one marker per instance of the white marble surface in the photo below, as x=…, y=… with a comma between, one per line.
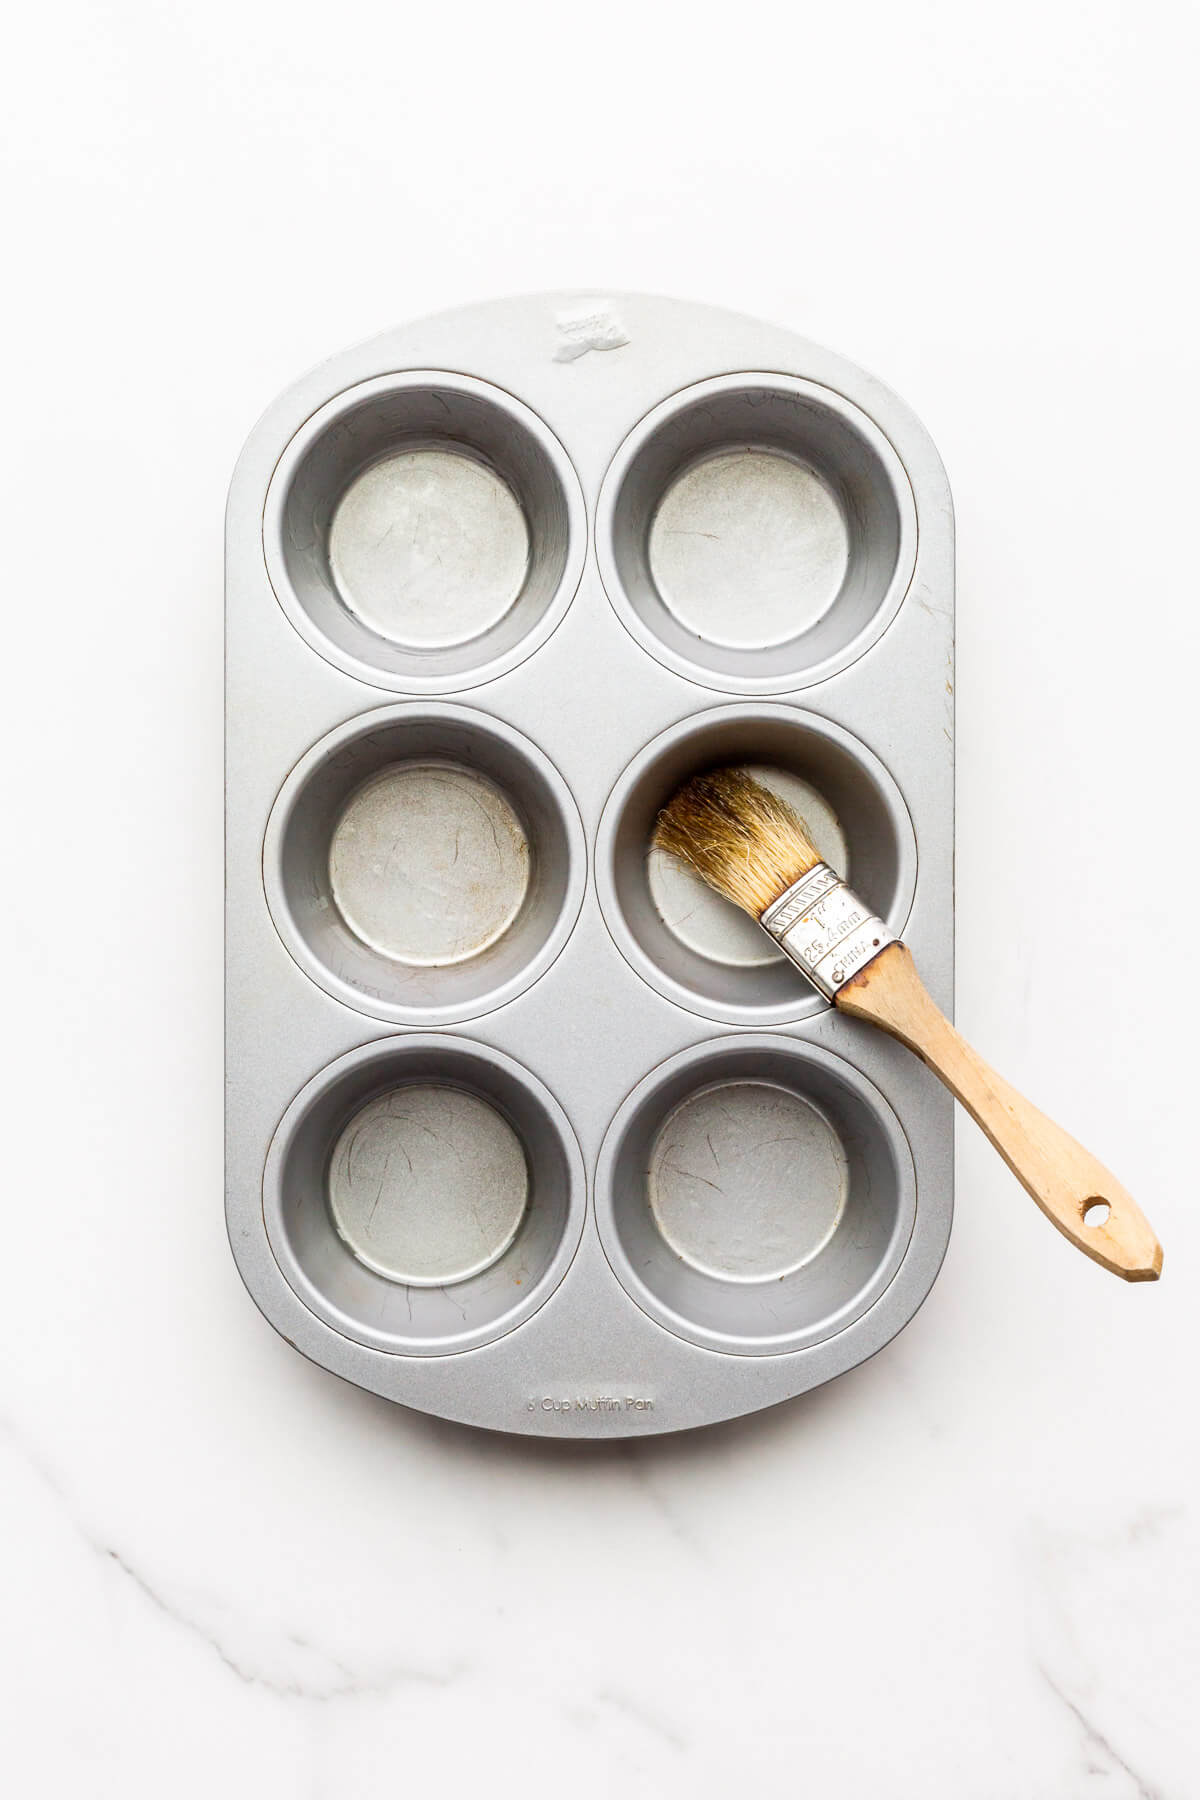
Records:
x=969, y=1570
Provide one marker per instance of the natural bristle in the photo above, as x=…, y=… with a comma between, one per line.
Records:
x=740, y=837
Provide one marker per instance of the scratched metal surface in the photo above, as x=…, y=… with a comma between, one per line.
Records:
x=529, y=563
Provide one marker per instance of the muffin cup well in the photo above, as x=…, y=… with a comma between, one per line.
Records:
x=489, y=1257
x=709, y=957
x=756, y=532
x=755, y=1194
x=424, y=531
x=424, y=863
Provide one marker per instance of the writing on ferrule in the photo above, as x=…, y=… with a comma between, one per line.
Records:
x=837, y=968
x=833, y=939
x=825, y=925
x=827, y=935
x=799, y=899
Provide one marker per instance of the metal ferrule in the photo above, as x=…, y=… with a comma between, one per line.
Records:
x=825, y=929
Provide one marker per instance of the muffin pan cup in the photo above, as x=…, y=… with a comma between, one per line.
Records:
x=521, y=1130
x=424, y=863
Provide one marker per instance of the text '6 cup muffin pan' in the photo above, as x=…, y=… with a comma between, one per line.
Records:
x=526, y=1127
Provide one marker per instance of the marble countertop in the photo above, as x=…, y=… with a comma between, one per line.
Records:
x=968, y=1570
x=968, y=1567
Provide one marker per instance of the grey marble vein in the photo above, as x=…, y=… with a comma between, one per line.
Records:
x=638, y=1713
x=1094, y=1739
x=345, y=1682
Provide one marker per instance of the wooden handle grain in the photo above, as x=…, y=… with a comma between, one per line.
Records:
x=1069, y=1185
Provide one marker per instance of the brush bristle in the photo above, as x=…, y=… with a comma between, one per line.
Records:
x=738, y=836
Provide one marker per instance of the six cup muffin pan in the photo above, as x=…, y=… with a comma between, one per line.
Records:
x=525, y=1127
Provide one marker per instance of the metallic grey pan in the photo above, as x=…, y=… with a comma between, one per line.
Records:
x=525, y=1126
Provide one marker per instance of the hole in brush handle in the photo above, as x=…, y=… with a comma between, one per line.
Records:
x=1075, y=1191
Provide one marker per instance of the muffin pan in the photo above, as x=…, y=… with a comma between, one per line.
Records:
x=525, y=1127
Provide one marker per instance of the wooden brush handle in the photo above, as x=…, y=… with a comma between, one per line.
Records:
x=1066, y=1182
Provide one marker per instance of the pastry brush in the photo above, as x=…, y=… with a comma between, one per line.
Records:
x=750, y=846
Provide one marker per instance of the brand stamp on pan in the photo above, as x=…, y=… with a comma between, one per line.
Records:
x=590, y=1403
